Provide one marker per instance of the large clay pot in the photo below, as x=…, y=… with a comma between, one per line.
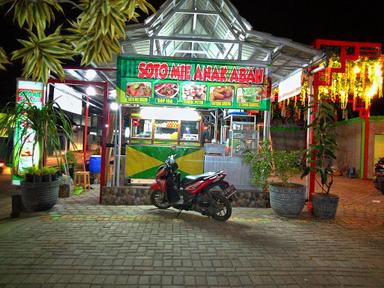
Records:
x=325, y=206
x=39, y=196
x=287, y=201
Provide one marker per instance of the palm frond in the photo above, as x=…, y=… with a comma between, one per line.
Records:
x=41, y=54
x=3, y=59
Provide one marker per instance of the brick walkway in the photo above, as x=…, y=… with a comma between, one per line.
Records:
x=82, y=244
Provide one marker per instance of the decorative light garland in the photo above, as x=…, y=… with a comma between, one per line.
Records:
x=362, y=78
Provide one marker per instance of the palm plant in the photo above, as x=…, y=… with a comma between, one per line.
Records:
x=45, y=124
x=96, y=33
x=322, y=152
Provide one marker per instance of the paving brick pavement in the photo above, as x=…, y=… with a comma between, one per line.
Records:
x=82, y=244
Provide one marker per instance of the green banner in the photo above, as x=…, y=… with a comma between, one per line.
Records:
x=191, y=83
x=142, y=161
x=28, y=93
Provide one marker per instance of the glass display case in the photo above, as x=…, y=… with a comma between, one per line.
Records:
x=164, y=131
x=240, y=134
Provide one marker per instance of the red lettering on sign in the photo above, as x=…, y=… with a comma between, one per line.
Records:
x=259, y=76
x=223, y=73
x=234, y=76
x=142, y=73
x=163, y=71
x=251, y=76
x=207, y=73
x=198, y=75
x=242, y=75
x=187, y=75
x=215, y=75
x=175, y=72
x=153, y=70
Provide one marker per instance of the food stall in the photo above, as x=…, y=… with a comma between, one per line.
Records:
x=167, y=100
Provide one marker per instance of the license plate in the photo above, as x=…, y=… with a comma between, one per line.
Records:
x=230, y=192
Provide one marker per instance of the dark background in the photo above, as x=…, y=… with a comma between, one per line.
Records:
x=298, y=20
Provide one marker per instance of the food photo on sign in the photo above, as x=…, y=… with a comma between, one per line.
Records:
x=222, y=93
x=194, y=92
x=166, y=90
x=139, y=89
x=249, y=94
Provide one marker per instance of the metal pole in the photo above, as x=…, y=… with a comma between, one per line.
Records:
x=309, y=137
x=115, y=149
x=216, y=123
x=312, y=173
x=117, y=172
x=267, y=113
x=85, y=138
x=366, y=144
x=104, y=140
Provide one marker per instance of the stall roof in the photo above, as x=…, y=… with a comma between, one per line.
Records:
x=212, y=29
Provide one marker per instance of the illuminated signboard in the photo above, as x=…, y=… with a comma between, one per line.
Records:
x=28, y=93
x=191, y=83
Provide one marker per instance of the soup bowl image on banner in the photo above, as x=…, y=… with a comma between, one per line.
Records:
x=166, y=90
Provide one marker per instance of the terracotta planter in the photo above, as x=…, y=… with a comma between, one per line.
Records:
x=325, y=206
x=287, y=201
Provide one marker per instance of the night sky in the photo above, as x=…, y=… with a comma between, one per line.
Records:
x=299, y=20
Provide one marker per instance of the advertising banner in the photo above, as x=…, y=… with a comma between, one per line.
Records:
x=191, y=83
x=291, y=86
x=28, y=93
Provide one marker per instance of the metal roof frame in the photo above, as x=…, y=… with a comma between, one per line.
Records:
x=212, y=29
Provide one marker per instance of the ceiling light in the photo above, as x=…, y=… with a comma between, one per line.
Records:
x=90, y=74
x=91, y=91
x=112, y=93
x=114, y=106
x=165, y=113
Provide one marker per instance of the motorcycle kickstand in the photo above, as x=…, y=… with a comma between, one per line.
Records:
x=178, y=214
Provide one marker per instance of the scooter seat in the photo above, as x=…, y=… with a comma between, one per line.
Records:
x=199, y=177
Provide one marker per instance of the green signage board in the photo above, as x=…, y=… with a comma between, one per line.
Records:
x=191, y=83
x=28, y=93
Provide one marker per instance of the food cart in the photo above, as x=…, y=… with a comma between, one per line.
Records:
x=167, y=100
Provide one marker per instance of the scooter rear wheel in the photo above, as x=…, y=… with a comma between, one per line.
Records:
x=224, y=207
x=158, y=200
x=379, y=183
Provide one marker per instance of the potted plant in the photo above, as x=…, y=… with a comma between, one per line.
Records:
x=320, y=155
x=48, y=174
x=32, y=174
x=286, y=198
x=261, y=168
x=47, y=124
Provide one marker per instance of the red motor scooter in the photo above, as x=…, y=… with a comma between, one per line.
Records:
x=207, y=193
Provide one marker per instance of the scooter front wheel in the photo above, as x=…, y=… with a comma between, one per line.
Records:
x=158, y=199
